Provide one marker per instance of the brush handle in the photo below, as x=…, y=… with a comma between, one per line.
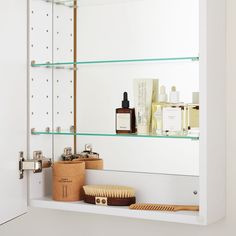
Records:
x=186, y=208
x=110, y=201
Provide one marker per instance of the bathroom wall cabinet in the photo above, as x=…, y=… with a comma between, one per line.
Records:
x=81, y=56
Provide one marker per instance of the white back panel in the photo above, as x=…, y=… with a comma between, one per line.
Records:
x=134, y=30
x=151, y=188
x=13, y=103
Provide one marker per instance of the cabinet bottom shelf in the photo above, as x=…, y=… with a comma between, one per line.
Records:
x=177, y=217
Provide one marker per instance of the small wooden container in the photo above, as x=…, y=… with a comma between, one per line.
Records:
x=68, y=180
x=91, y=163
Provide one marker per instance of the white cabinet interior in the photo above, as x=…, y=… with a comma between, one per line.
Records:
x=176, y=170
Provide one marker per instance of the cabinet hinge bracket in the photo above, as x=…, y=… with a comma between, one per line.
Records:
x=36, y=164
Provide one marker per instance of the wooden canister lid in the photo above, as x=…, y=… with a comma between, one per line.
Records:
x=91, y=163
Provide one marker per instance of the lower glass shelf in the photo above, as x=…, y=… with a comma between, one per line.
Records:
x=67, y=3
x=34, y=132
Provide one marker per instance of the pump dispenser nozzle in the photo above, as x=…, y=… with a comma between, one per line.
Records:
x=125, y=102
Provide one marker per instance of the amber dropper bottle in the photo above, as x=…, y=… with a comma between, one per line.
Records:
x=125, y=117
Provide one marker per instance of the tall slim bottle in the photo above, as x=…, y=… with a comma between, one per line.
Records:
x=193, y=114
x=157, y=112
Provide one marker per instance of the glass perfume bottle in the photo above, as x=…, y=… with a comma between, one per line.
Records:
x=157, y=111
x=193, y=114
x=125, y=117
x=174, y=118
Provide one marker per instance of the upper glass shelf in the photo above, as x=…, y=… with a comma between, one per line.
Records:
x=67, y=3
x=34, y=132
x=62, y=65
x=81, y=3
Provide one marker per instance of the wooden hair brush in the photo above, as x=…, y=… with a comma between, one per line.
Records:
x=162, y=207
x=110, y=195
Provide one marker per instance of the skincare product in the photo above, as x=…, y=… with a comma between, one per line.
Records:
x=174, y=95
x=157, y=111
x=193, y=113
x=174, y=119
x=155, y=91
x=125, y=117
x=143, y=97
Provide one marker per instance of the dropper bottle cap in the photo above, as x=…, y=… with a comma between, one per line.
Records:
x=125, y=102
x=162, y=94
x=174, y=95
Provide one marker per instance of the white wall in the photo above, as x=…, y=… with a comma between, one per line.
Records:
x=59, y=223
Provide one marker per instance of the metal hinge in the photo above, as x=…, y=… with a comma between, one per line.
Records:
x=36, y=164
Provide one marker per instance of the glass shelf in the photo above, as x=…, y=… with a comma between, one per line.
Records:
x=61, y=65
x=192, y=137
x=80, y=3
x=67, y=3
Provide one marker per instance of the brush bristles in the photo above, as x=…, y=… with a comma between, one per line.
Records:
x=111, y=191
x=152, y=207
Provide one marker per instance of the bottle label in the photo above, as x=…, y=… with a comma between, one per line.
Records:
x=123, y=121
x=172, y=119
